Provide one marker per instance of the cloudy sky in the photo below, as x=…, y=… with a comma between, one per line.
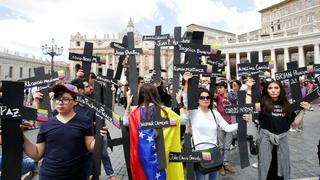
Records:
x=25, y=25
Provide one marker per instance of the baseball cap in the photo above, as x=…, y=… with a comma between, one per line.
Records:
x=69, y=87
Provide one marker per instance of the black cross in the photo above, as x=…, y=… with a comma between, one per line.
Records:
x=157, y=53
x=193, y=51
x=121, y=59
x=292, y=74
x=86, y=58
x=239, y=110
x=131, y=51
x=176, y=57
x=43, y=81
x=12, y=112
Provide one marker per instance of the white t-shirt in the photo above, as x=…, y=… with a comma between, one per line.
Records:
x=204, y=127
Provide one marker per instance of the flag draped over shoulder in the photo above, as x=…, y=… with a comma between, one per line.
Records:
x=143, y=156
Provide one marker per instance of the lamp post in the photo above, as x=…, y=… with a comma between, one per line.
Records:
x=54, y=50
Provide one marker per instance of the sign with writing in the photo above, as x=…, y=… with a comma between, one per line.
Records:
x=86, y=58
x=194, y=69
x=12, y=112
x=243, y=109
x=203, y=50
x=263, y=68
x=279, y=76
x=156, y=37
x=81, y=57
x=100, y=110
x=190, y=157
x=43, y=80
x=157, y=124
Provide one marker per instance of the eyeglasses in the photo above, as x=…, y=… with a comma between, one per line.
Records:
x=63, y=101
x=204, y=97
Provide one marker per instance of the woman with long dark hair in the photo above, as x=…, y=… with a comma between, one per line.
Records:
x=143, y=156
x=204, y=123
x=275, y=120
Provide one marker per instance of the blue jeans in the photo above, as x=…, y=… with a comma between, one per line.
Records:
x=106, y=159
x=212, y=176
x=27, y=164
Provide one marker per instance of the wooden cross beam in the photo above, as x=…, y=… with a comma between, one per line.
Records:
x=292, y=74
x=239, y=110
x=43, y=81
x=157, y=52
x=12, y=112
x=130, y=51
x=86, y=58
x=189, y=156
x=121, y=59
x=193, y=51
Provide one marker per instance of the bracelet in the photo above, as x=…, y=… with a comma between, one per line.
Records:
x=180, y=105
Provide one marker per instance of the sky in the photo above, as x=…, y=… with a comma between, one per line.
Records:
x=26, y=25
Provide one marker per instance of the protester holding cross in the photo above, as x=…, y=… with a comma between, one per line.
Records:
x=63, y=141
x=143, y=156
x=204, y=123
x=275, y=120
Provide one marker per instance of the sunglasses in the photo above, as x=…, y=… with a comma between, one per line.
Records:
x=204, y=97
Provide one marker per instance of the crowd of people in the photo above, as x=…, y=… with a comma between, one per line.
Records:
x=64, y=144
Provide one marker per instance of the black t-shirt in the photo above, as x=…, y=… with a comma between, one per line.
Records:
x=65, y=148
x=276, y=121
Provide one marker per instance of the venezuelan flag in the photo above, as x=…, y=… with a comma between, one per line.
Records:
x=103, y=59
x=116, y=119
x=310, y=69
x=271, y=64
x=214, y=49
x=209, y=69
x=61, y=74
x=42, y=115
x=143, y=157
x=258, y=107
x=173, y=122
x=206, y=156
x=267, y=74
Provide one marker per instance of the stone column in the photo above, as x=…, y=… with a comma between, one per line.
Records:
x=228, y=72
x=302, y=62
x=273, y=57
x=286, y=57
x=260, y=56
x=237, y=62
x=316, y=54
x=248, y=56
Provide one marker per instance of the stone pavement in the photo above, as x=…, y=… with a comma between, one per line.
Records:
x=303, y=152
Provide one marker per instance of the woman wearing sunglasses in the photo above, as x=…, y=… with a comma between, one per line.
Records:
x=204, y=123
x=275, y=120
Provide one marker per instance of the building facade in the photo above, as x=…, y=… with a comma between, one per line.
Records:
x=290, y=31
x=102, y=48
x=14, y=66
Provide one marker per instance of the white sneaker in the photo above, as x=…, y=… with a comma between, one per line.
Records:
x=255, y=165
x=292, y=130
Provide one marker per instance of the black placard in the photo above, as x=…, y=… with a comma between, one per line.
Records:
x=240, y=110
x=290, y=74
x=194, y=69
x=183, y=157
